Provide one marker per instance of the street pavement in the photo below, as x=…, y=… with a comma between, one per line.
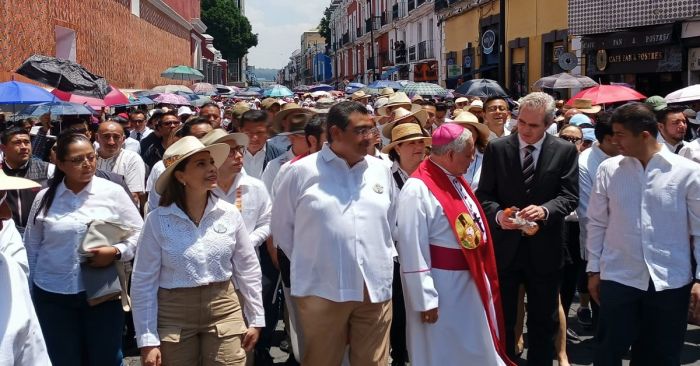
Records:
x=580, y=354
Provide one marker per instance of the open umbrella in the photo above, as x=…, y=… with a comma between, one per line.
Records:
x=204, y=88
x=248, y=93
x=301, y=89
x=201, y=100
x=278, y=91
x=16, y=92
x=114, y=97
x=182, y=72
x=58, y=108
x=171, y=89
x=134, y=101
x=64, y=75
x=381, y=84
x=564, y=81
x=321, y=87
x=353, y=87
x=170, y=98
x=687, y=94
x=426, y=89
x=320, y=93
x=481, y=88
x=604, y=94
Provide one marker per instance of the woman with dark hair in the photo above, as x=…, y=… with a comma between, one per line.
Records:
x=76, y=332
x=193, y=245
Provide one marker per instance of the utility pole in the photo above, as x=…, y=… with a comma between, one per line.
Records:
x=502, y=44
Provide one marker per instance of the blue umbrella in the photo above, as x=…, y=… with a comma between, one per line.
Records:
x=57, y=109
x=353, y=87
x=381, y=84
x=190, y=96
x=278, y=91
x=15, y=92
x=321, y=87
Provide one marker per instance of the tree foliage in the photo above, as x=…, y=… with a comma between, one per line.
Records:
x=232, y=32
x=324, y=28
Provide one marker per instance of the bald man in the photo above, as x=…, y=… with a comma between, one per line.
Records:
x=112, y=157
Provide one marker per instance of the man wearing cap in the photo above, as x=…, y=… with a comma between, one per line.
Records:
x=535, y=175
x=672, y=127
x=298, y=146
x=112, y=157
x=656, y=103
x=334, y=215
x=476, y=108
x=461, y=103
x=184, y=112
x=496, y=113
x=447, y=261
x=271, y=106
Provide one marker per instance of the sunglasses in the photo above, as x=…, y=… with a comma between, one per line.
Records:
x=574, y=140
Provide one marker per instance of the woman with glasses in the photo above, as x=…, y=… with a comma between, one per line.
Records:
x=76, y=332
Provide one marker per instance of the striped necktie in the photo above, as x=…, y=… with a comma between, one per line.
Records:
x=528, y=167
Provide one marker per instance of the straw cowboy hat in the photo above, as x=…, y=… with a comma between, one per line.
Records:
x=386, y=92
x=269, y=102
x=359, y=95
x=297, y=123
x=8, y=183
x=287, y=110
x=219, y=135
x=406, y=132
x=468, y=119
x=398, y=99
x=461, y=100
x=476, y=104
x=401, y=116
x=586, y=106
x=181, y=150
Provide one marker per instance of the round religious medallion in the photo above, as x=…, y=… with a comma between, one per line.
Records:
x=468, y=231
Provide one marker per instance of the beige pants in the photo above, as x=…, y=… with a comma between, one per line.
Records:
x=329, y=326
x=201, y=326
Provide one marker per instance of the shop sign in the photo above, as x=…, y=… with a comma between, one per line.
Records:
x=628, y=39
x=453, y=71
x=488, y=40
x=636, y=56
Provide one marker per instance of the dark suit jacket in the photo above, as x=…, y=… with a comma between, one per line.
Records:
x=555, y=187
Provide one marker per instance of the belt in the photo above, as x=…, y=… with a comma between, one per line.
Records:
x=448, y=259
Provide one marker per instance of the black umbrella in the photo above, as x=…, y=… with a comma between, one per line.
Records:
x=64, y=75
x=481, y=88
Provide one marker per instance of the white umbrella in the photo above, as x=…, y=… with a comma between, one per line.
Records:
x=320, y=93
x=687, y=94
x=171, y=89
x=564, y=81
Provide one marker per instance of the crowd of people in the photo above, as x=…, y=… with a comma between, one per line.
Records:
x=382, y=229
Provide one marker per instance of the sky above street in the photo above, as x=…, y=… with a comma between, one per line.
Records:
x=279, y=25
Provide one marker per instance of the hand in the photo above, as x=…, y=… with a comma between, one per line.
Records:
x=150, y=356
x=694, y=307
x=102, y=257
x=430, y=316
x=594, y=287
x=505, y=219
x=251, y=338
x=533, y=213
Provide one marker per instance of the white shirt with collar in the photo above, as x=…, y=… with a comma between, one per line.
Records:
x=153, y=196
x=174, y=253
x=641, y=221
x=135, y=134
x=691, y=150
x=383, y=157
x=273, y=167
x=52, y=240
x=473, y=174
x=129, y=165
x=12, y=246
x=336, y=224
x=670, y=147
x=132, y=145
x=21, y=339
x=535, y=153
x=255, y=205
x=588, y=162
x=253, y=164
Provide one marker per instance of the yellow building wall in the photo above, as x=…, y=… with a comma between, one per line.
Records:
x=464, y=28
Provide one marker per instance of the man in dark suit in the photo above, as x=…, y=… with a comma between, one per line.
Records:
x=538, y=174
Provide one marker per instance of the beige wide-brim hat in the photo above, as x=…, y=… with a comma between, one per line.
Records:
x=586, y=106
x=468, y=119
x=398, y=99
x=476, y=105
x=461, y=100
x=406, y=132
x=386, y=92
x=181, y=150
x=359, y=95
x=400, y=116
x=287, y=110
x=8, y=183
x=219, y=135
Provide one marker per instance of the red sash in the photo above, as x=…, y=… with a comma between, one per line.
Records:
x=481, y=260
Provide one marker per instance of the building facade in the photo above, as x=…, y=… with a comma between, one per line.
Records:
x=130, y=42
x=312, y=44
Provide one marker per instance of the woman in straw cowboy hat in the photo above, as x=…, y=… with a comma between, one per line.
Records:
x=406, y=151
x=193, y=246
x=74, y=329
x=480, y=135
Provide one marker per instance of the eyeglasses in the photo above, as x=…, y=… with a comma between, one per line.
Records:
x=138, y=120
x=496, y=108
x=238, y=149
x=574, y=140
x=366, y=131
x=80, y=160
x=170, y=123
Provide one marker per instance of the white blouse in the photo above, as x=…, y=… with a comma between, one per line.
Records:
x=174, y=253
x=52, y=240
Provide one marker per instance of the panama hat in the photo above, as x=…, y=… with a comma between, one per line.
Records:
x=297, y=123
x=400, y=116
x=398, y=99
x=219, y=135
x=8, y=183
x=462, y=100
x=358, y=95
x=181, y=150
x=406, y=132
x=468, y=119
x=386, y=92
x=586, y=106
x=287, y=110
x=476, y=104
x=269, y=102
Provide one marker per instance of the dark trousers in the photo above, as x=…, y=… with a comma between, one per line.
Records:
x=572, y=269
x=270, y=277
x=79, y=334
x=542, y=312
x=652, y=322
x=397, y=335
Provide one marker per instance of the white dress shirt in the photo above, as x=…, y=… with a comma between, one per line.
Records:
x=254, y=204
x=129, y=165
x=253, y=164
x=12, y=246
x=691, y=150
x=273, y=167
x=473, y=174
x=670, y=147
x=153, y=196
x=641, y=221
x=132, y=145
x=52, y=240
x=21, y=340
x=535, y=153
x=335, y=223
x=588, y=162
x=135, y=134
x=174, y=253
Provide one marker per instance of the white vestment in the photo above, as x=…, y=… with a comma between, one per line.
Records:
x=461, y=335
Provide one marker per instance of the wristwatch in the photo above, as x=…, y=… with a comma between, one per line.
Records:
x=118, y=254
